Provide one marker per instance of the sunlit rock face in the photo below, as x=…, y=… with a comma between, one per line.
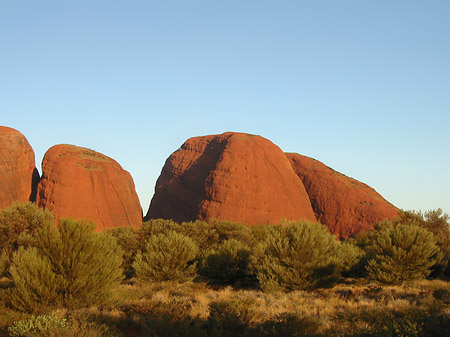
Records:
x=18, y=174
x=345, y=205
x=84, y=184
x=231, y=176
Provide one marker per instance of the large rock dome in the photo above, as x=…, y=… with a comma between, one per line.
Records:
x=18, y=174
x=83, y=184
x=345, y=205
x=231, y=176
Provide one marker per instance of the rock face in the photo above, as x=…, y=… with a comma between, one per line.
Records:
x=18, y=174
x=345, y=205
x=83, y=184
x=232, y=176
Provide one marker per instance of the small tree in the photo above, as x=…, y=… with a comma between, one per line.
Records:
x=70, y=266
x=228, y=264
x=18, y=224
x=438, y=223
x=167, y=257
x=401, y=253
x=299, y=255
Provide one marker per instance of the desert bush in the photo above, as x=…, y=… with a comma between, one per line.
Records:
x=289, y=324
x=60, y=325
x=236, y=317
x=229, y=317
x=17, y=226
x=228, y=230
x=228, y=264
x=401, y=253
x=130, y=241
x=4, y=264
x=203, y=233
x=165, y=317
x=208, y=235
x=42, y=325
x=412, y=321
x=199, y=231
x=70, y=266
x=300, y=255
x=438, y=223
x=167, y=257
x=350, y=256
x=8, y=315
x=159, y=226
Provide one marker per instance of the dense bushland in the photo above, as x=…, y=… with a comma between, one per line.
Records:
x=71, y=278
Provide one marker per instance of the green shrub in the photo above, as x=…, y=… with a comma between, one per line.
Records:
x=203, y=233
x=167, y=257
x=228, y=264
x=208, y=235
x=228, y=230
x=42, y=325
x=18, y=224
x=129, y=239
x=159, y=226
x=300, y=255
x=4, y=264
x=70, y=266
x=438, y=223
x=350, y=256
x=52, y=325
x=401, y=253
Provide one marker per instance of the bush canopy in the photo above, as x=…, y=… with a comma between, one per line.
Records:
x=69, y=266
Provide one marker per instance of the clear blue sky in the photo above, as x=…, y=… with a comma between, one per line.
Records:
x=362, y=85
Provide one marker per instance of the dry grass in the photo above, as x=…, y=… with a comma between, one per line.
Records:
x=323, y=305
x=348, y=309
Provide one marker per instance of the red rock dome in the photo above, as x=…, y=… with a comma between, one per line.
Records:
x=83, y=184
x=18, y=174
x=232, y=176
x=345, y=205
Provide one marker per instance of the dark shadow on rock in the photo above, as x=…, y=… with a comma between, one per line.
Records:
x=34, y=184
x=180, y=197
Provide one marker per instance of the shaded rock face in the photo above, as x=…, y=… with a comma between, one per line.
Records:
x=232, y=176
x=345, y=205
x=83, y=184
x=18, y=173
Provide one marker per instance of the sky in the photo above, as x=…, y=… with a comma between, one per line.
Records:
x=361, y=85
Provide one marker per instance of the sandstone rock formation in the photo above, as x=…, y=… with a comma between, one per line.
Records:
x=18, y=174
x=232, y=176
x=345, y=205
x=83, y=184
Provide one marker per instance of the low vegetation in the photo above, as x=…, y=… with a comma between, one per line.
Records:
x=167, y=257
x=401, y=253
x=216, y=278
x=299, y=256
x=67, y=266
